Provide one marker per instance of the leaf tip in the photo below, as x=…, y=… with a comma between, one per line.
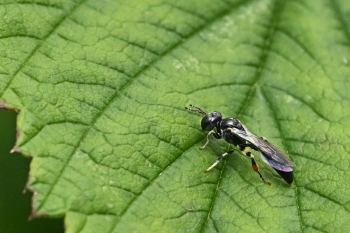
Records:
x=4, y=107
x=15, y=150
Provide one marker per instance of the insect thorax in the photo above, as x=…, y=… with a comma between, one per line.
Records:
x=226, y=125
x=231, y=138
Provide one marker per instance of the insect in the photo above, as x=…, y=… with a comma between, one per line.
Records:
x=237, y=134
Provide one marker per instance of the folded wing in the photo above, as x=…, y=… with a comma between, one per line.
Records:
x=269, y=153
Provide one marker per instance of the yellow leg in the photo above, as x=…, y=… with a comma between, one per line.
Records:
x=210, y=132
x=218, y=160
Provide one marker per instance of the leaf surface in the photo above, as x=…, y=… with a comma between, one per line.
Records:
x=101, y=88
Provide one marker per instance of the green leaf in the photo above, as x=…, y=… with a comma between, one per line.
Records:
x=101, y=88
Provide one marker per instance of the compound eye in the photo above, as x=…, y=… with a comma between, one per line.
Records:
x=207, y=124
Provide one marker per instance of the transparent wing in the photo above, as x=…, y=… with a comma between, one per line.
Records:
x=269, y=153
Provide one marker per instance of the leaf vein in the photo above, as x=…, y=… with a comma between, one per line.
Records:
x=36, y=49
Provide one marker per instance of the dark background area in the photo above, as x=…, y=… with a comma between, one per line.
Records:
x=15, y=206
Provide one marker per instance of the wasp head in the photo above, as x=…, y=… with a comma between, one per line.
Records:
x=211, y=120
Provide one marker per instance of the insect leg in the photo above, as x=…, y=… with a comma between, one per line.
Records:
x=218, y=160
x=216, y=135
x=246, y=151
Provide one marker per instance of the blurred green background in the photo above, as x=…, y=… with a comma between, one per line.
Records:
x=15, y=207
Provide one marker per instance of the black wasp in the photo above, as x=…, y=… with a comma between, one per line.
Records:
x=234, y=132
